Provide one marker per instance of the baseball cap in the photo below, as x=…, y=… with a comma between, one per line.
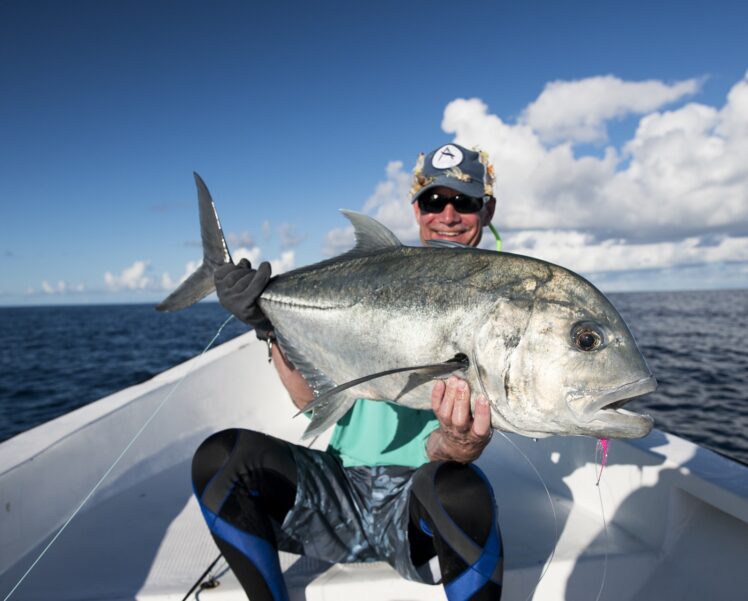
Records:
x=456, y=167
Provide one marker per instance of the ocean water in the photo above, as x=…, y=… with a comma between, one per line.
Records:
x=55, y=359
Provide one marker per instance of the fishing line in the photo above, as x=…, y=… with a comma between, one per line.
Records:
x=553, y=509
x=118, y=459
x=199, y=583
x=537, y=473
x=601, y=451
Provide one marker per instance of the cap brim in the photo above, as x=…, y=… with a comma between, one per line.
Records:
x=470, y=188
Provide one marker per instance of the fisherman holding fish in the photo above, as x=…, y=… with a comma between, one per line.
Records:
x=396, y=484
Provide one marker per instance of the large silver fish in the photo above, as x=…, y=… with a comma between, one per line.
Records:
x=548, y=349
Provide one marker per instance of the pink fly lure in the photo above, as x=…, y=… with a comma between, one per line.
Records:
x=601, y=456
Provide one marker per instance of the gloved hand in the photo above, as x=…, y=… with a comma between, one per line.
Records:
x=239, y=287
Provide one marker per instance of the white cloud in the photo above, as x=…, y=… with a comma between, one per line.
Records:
x=579, y=251
x=674, y=196
x=255, y=256
x=166, y=282
x=389, y=204
x=60, y=287
x=338, y=241
x=283, y=263
x=578, y=110
x=241, y=239
x=684, y=171
x=133, y=277
x=251, y=254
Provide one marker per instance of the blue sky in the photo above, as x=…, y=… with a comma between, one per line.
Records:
x=618, y=132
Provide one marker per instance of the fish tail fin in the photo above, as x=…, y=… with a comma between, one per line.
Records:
x=327, y=414
x=215, y=253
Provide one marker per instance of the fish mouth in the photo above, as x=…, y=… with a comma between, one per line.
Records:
x=620, y=423
x=614, y=399
x=606, y=414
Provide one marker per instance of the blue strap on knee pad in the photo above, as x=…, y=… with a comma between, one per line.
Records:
x=482, y=571
x=479, y=574
x=260, y=552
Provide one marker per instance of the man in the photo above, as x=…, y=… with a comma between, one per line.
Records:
x=395, y=484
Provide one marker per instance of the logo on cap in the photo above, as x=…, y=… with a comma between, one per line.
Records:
x=447, y=156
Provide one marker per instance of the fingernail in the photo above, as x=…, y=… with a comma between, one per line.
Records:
x=462, y=385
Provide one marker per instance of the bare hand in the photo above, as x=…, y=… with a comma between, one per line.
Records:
x=461, y=435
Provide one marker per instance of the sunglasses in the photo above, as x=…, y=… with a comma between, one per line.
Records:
x=435, y=202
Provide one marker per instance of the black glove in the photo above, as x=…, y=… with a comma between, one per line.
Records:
x=239, y=287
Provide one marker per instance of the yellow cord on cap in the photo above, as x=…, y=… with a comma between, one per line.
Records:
x=495, y=235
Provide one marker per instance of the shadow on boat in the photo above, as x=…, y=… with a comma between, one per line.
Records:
x=537, y=529
x=687, y=521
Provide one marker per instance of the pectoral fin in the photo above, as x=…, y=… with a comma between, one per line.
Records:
x=327, y=409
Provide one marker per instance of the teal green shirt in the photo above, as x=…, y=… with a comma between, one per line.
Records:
x=381, y=433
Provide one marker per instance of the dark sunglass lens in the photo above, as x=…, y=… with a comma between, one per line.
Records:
x=467, y=204
x=432, y=203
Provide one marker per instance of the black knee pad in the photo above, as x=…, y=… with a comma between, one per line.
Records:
x=242, y=480
x=233, y=465
x=454, y=503
x=210, y=457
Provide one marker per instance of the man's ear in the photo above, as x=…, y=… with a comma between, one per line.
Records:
x=488, y=211
x=417, y=211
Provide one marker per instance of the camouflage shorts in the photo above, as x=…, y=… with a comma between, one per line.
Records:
x=355, y=514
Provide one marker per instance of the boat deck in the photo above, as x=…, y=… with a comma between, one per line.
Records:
x=677, y=515
x=134, y=545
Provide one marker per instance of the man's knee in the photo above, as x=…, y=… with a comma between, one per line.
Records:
x=216, y=451
x=459, y=490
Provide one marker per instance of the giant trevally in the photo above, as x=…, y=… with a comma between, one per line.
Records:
x=548, y=350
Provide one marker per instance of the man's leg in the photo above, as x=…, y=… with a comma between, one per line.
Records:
x=242, y=479
x=452, y=512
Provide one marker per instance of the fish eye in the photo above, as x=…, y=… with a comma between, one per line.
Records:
x=587, y=336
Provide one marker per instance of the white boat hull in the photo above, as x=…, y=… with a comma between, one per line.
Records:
x=677, y=514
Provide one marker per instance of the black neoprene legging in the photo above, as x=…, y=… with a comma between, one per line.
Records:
x=245, y=479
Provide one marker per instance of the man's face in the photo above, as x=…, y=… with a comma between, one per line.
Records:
x=465, y=228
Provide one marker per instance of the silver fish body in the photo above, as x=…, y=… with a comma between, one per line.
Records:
x=548, y=350
x=513, y=316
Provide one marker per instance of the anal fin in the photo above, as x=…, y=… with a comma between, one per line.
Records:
x=327, y=414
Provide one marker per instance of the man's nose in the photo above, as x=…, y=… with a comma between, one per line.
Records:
x=449, y=215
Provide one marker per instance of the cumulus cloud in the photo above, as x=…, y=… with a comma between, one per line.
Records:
x=243, y=245
x=674, y=195
x=60, y=287
x=578, y=110
x=242, y=239
x=580, y=252
x=283, y=263
x=134, y=277
x=389, y=204
x=252, y=254
x=683, y=172
x=338, y=241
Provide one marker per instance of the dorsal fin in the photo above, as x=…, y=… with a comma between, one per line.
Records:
x=371, y=235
